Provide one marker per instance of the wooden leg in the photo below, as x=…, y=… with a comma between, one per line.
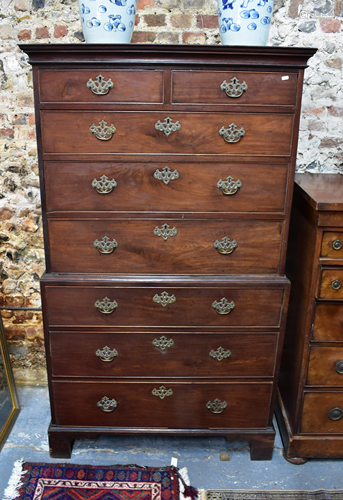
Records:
x=295, y=460
x=60, y=445
x=261, y=448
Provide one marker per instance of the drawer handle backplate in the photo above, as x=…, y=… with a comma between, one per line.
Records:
x=167, y=126
x=225, y=246
x=229, y=186
x=216, y=406
x=335, y=414
x=223, y=306
x=105, y=306
x=234, y=88
x=336, y=285
x=337, y=245
x=104, y=185
x=103, y=132
x=106, y=404
x=106, y=354
x=339, y=367
x=163, y=343
x=164, y=299
x=100, y=86
x=105, y=245
x=232, y=134
x=162, y=392
x=166, y=232
x=220, y=354
x=166, y=175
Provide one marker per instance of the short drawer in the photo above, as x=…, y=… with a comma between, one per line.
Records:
x=331, y=281
x=169, y=354
x=325, y=366
x=322, y=413
x=233, y=87
x=332, y=245
x=328, y=322
x=165, y=187
x=136, y=133
x=101, y=86
x=160, y=245
x=103, y=306
x=162, y=403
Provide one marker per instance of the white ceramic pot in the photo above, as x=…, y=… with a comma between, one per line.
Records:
x=244, y=22
x=107, y=21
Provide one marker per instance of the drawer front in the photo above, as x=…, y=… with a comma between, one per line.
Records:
x=69, y=132
x=332, y=245
x=154, y=306
x=247, y=404
x=128, y=86
x=320, y=411
x=328, y=322
x=205, y=87
x=157, y=246
x=165, y=187
x=325, y=366
x=331, y=284
x=158, y=355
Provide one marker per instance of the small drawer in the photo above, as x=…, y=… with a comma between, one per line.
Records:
x=155, y=246
x=101, y=86
x=323, y=413
x=233, y=88
x=325, y=366
x=174, y=354
x=95, y=133
x=162, y=403
x=331, y=284
x=165, y=187
x=328, y=322
x=332, y=245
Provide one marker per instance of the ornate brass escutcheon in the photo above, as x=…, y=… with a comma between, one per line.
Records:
x=100, y=86
x=167, y=126
x=105, y=245
x=336, y=285
x=225, y=246
x=232, y=134
x=216, y=406
x=163, y=343
x=229, y=186
x=166, y=232
x=164, y=299
x=106, y=404
x=339, y=367
x=220, y=354
x=337, y=245
x=166, y=175
x=106, y=354
x=223, y=306
x=104, y=185
x=105, y=306
x=103, y=132
x=162, y=392
x=234, y=88
x=335, y=414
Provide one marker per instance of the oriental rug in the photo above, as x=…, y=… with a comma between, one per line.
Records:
x=274, y=495
x=35, y=481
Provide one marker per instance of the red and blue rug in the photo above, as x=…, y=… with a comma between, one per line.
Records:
x=79, y=482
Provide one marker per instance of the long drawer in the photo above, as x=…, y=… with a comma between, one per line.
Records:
x=325, y=366
x=173, y=354
x=331, y=281
x=145, y=404
x=165, y=187
x=328, y=321
x=323, y=412
x=156, y=245
x=136, y=133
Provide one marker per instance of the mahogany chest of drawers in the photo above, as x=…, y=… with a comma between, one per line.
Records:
x=310, y=412
x=167, y=176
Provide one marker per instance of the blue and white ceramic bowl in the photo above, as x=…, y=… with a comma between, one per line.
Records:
x=244, y=22
x=107, y=21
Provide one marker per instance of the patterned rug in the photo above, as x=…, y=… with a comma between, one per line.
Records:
x=274, y=495
x=32, y=481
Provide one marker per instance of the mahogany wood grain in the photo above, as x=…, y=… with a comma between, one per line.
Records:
x=317, y=406
x=327, y=279
x=328, y=322
x=322, y=366
x=328, y=249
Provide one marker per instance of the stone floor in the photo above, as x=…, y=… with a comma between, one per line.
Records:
x=201, y=456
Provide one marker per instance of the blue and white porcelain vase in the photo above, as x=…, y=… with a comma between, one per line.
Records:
x=107, y=21
x=244, y=22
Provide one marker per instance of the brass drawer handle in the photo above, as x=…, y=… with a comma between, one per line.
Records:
x=105, y=306
x=223, y=306
x=100, y=86
x=162, y=392
x=335, y=414
x=229, y=186
x=216, y=406
x=104, y=185
x=225, y=246
x=106, y=404
x=167, y=126
x=106, y=354
x=166, y=175
x=232, y=134
x=220, y=354
x=339, y=367
x=163, y=343
x=103, y=132
x=164, y=299
x=337, y=245
x=234, y=88
x=166, y=232
x=105, y=245
x=336, y=285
